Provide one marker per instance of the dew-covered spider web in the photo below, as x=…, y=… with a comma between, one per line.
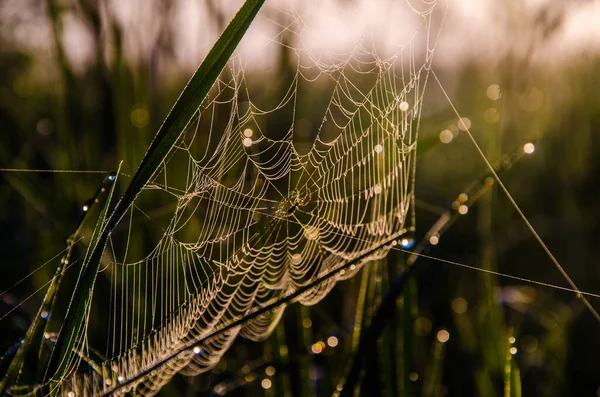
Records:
x=297, y=170
x=263, y=197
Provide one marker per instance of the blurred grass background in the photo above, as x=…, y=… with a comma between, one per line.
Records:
x=58, y=112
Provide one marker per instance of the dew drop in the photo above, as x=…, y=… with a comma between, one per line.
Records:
x=318, y=347
x=529, y=148
x=283, y=350
x=307, y=323
x=87, y=205
x=459, y=305
x=45, y=314
x=493, y=92
x=332, y=341
x=464, y=123
x=112, y=176
x=407, y=240
x=266, y=383
x=443, y=336
x=446, y=136
x=422, y=326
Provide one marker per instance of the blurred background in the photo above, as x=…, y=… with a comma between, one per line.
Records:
x=86, y=84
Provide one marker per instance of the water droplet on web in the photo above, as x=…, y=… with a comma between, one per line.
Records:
x=86, y=206
x=311, y=232
x=45, y=314
x=407, y=240
x=464, y=123
x=446, y=136
x=112, y=176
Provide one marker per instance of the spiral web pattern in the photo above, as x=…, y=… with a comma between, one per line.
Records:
x=264, y=203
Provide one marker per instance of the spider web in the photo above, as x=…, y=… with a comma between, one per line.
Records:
x=262, y=198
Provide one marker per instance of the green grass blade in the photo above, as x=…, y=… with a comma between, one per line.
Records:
x=187, y=105
x=81, y=311
x=389, y=340
x=281, y=377
x=433, y=378
x=370, y=336
x=174, y=125
x=21, y=366
x=512, y=376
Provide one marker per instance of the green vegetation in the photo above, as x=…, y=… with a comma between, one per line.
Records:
x=432, y=329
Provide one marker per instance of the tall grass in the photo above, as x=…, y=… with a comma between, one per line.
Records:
x=478, y=353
